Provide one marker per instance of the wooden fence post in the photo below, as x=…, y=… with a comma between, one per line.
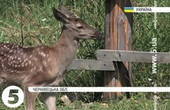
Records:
x=117, y=37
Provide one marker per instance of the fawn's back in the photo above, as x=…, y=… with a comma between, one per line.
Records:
x=16, y=62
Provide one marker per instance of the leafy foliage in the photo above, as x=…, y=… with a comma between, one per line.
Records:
x=31, y=23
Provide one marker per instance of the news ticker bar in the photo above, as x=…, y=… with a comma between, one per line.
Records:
x=99, y=89
x=146, y=9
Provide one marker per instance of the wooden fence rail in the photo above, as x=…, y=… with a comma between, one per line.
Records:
x=105, y=59
x=133, y=56
x=79, y=64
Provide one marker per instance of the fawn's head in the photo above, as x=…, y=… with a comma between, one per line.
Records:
x=77, y=27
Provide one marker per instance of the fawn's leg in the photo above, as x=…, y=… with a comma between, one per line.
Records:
x=50, y=100
x=30, y=99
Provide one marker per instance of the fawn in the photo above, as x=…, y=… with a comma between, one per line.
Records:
x=44, y=65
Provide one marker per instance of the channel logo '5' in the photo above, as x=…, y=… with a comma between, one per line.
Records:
x=13, y=96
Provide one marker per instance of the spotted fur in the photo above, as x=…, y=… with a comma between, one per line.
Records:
x=44, y=65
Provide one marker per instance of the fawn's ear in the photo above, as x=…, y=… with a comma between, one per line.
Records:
x=59, y=15
x=63, y=14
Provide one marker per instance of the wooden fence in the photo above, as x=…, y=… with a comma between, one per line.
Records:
x=105, y=59
x=115, y=60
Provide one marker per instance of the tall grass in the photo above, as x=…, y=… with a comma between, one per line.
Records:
x=31, y=23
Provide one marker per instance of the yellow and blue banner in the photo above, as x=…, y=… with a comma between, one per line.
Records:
x=129, y=9
x=146, y=9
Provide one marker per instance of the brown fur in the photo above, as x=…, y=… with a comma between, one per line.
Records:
x=44, y=65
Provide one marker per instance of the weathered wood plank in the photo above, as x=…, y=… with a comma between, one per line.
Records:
x=79, y=64
x=132, y=56
x=109, y=77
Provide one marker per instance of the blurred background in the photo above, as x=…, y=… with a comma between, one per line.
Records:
x=31, y=23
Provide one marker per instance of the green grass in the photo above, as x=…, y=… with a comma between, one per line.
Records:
x=134, y=103
x=35, y=19
x=143, y=33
